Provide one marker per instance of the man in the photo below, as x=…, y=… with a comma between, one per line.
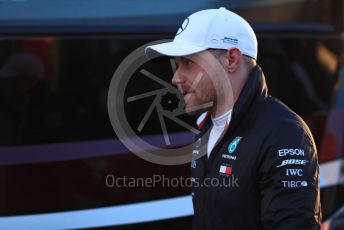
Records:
x=247, y=138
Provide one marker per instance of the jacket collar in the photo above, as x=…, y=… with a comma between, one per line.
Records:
x=254, y=88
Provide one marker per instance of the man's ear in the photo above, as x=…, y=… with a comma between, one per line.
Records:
x=234, y=58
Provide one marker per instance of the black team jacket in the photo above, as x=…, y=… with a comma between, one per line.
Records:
x=263, y=172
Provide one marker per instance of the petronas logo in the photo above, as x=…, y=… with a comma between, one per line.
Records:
x=233, y=145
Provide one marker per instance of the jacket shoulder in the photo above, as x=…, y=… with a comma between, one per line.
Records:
x=276, y=112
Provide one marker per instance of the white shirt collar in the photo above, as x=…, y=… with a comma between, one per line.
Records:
x=222, y=120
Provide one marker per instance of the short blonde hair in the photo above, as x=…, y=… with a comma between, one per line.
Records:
x=248, y=61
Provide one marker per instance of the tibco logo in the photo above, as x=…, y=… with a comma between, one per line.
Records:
x=293, y=162
x=294, y=184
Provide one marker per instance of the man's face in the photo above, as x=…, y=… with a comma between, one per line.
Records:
x=196, y=79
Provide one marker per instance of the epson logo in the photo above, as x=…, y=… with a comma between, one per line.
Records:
x=291, y=152
x=293, y=162
x=294, y=184
x=294, y=172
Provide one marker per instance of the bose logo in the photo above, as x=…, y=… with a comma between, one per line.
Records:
x=293, y=162
x=291, y=152
x=294, y=172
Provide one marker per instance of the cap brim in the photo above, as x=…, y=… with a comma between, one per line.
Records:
x=175, y=49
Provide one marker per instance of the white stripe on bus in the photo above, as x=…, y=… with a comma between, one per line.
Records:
x=133, y=213
x=101, y=217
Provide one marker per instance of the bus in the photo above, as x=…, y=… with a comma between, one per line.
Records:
x=63, y=164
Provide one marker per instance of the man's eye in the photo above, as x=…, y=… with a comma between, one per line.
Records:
x=188, y=62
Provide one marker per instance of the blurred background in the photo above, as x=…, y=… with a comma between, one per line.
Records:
x=57, y=145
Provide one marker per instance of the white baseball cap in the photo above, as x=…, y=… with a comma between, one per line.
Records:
x=212, y=28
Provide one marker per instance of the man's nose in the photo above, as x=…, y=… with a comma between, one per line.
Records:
x=177, y=78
